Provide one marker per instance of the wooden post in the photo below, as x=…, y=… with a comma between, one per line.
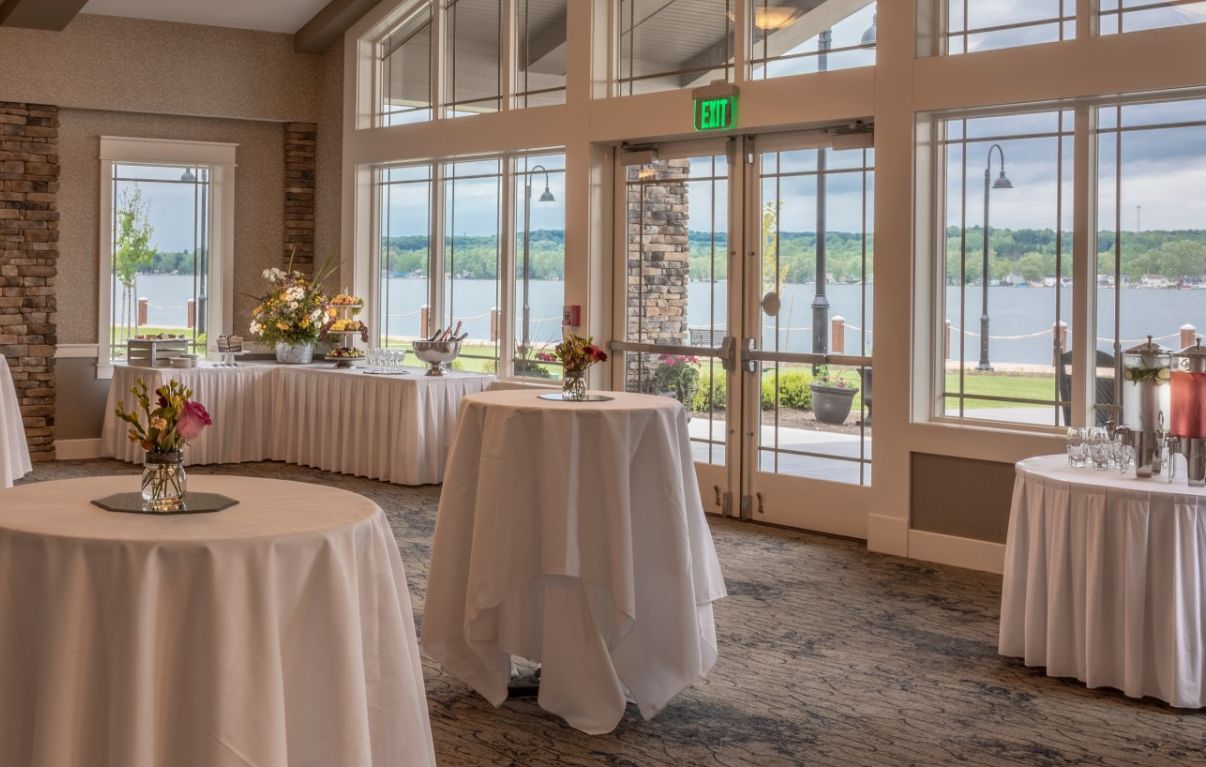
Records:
x=192, y=312
x=493, y=324
x=946, y=341
x=424, y=321
x=837, y=326
x=1188, y=335
x=142, y=311
x=1059, y=340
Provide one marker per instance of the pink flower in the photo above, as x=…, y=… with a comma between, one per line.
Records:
x=193, y=419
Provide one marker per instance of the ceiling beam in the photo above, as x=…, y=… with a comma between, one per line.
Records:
x=39, y=14
x=328, y=25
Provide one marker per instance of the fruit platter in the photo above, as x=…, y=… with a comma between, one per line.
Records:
x=343, y=328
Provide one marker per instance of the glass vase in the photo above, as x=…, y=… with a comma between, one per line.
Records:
x=164, y=482
x=573, y=385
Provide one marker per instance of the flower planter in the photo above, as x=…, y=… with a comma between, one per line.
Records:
x=294, y=354
x=831, y=404
x=865, y=374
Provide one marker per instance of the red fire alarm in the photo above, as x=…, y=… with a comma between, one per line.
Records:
x=571, y=315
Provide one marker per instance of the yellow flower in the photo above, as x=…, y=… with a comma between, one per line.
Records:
x=158, y=423
x=281, y=325
x=305, y=323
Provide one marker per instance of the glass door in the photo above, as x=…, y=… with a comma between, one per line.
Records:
x=807, y=330
x=678, y=294
x=744, y=291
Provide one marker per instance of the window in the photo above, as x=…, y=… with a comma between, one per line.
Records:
x=789, y=40
x=1151, y=248
x=403, y=298
x=472, y=82
x=671, y=44
x=540, y=60
x=404, y=90
x=414, y=84
x=166, y=242
x=539, y=189
x=424, y=282
x=472, y=252
x=983, y=25
x=1133, y=15
x=1006, y=329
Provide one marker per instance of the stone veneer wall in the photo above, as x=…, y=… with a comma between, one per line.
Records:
x=299, y=194
x=29, y=249
x=657, y=263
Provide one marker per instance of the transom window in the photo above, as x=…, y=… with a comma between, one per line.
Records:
x=1133, y=15
x=983, y=25
x=801, y=38
x=416, y=84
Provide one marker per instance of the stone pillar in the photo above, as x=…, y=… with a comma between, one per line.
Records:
x=299, y=194
x=29, y=249
x=657, y=262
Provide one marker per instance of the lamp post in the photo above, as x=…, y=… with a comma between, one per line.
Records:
x=820, y=302
x=1001, y=183
x=547, y=196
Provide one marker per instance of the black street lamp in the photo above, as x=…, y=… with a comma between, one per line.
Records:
x=1001, y=183
x=820, y=301
x=547, y=196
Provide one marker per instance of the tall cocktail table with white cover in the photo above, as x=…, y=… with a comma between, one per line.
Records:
x=277, y=632
x=573, y=534
x=1105, y=580
x=14, y=453
x=393, y=428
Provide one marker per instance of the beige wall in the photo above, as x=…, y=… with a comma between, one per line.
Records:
x=259, y=181
x=111, y=63
x=960, y=496
x=146, y=79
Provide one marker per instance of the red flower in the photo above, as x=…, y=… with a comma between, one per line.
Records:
x=596, y=354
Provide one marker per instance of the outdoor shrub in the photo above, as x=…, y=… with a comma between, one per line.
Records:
x=793, y=390
x=711, y=391
x=678, y=375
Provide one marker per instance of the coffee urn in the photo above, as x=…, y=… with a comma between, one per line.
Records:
x=1189, y=409
x=1146, y=403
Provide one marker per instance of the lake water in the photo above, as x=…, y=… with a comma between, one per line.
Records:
x=1020, y=318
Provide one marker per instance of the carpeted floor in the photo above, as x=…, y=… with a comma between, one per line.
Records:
x=828, y=656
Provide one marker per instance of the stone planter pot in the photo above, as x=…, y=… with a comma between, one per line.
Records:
x=294, y=354
x=865, y=374
x=831, y=404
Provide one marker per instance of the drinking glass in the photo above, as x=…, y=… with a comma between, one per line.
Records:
x=1076, y=446
x=1100, y=449
x=1124, y=455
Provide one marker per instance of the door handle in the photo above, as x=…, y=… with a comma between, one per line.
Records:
x=728, y=353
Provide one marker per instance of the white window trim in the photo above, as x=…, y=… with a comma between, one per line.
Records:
x=220, y=157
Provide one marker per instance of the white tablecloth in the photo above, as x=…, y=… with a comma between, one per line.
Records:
x=1105, y=580
x=573, y=534
x=277, y=632
x=395, y=428
x=14, y=452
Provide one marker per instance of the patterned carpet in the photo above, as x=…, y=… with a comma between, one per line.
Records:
x=829, y=655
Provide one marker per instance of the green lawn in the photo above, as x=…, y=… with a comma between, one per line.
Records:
x=1002, y=385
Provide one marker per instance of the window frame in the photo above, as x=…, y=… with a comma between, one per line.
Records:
x=219, y=158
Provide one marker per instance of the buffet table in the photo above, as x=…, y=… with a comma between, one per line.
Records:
x=573, y=534
x=14, y=452
x=1105, y=580
x=395, y=428
x=276, y=632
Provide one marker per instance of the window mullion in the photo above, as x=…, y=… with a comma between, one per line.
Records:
x=439, y=59
x=435, y=286
x=1087, y=23
x=506, y=272
x=1084, y=263
x=508, y=59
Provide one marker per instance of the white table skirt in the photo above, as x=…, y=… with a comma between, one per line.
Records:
x=573, y=534
x=14, y=452
x=1105, y=580
x=275, y=633
x=395, y=428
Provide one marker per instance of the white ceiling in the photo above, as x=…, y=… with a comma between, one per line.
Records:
x=266, y=15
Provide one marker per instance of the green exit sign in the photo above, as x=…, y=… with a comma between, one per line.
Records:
x=716, y=112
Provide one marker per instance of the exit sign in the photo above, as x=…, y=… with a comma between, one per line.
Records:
x=715, y=112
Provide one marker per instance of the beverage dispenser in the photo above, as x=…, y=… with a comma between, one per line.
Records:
x=1189, y=408
x=1146, y=402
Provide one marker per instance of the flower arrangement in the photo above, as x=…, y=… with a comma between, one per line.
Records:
x=678, y=375
x=832, y=380
x=172, y=423
x=294, y=310
x=576, y=354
